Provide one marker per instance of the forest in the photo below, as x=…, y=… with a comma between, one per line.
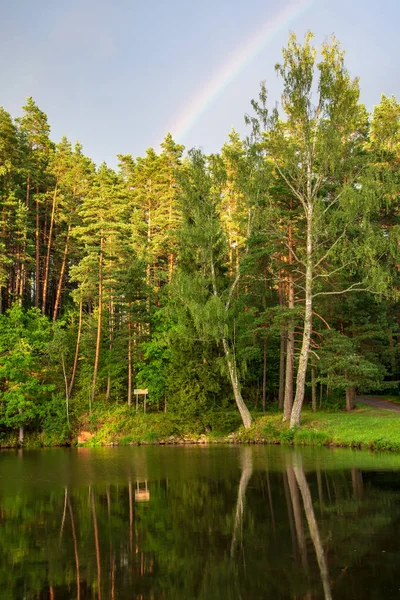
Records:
x=264, y=276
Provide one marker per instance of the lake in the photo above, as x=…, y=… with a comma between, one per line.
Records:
x=208, y=522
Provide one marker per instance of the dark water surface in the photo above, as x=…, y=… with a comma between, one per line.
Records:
x=199, y=522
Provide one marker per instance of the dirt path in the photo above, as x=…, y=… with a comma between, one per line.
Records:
x=378, y=403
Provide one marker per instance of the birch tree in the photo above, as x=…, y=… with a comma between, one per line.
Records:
x=313, y=148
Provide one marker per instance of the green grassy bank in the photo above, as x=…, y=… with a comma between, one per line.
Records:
x=363, y=428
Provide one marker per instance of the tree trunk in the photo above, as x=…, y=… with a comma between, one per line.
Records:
x=47, y=264
x=110, y=346
x=264, y=384
x=62, y=271
x=21, y=435
x=282, y=359
x=313, y=388
x=23, y=253
x=18, y=271
x=148, y=267
x=350, y=399
x=305, y=348
x=78, y=341
x=99, y=323
x=171, y=258
x=129, y=359
x=23, y=270
x=66, y=386
x=288, y=397
x=37, y=255
x=231, y=362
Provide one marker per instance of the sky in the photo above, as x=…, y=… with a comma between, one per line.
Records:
x=117, y=75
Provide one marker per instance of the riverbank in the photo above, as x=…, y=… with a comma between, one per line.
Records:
x=365, y=427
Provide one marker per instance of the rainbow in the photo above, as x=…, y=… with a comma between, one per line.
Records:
x=184, y=122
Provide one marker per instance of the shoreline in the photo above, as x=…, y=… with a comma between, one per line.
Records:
x=365, y=428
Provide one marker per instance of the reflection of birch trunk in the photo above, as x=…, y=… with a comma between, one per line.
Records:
x=298, y=519
x=64, y=513
x=290, y=513
x=78, y=581
x=97, y=545
x=247, y=470
x=271, y=507
x=312, y=524
x=320, y=491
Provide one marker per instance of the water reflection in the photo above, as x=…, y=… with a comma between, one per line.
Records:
x=246, y=459
x=201, y=523
x=312, y=523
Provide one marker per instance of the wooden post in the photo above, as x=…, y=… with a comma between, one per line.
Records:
x=141, y=393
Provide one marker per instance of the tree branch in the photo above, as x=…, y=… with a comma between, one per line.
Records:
x=233, y=286
x=352, y=288
x=332, y=272
x=335, y=243
x=333, y=202
x=289, y=184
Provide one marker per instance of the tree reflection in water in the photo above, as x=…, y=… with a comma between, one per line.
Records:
x=208, y=523
x=312, y=523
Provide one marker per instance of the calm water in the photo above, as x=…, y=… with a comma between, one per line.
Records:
x=199, y=522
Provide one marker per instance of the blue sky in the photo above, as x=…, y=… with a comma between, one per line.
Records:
x=116, y=75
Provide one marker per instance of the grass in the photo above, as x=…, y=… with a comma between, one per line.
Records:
x=365, y=427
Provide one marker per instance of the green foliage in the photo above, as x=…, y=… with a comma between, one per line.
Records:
x=342, y=366
x=23, y=390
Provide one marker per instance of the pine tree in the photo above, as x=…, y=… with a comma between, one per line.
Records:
x=35, y=130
